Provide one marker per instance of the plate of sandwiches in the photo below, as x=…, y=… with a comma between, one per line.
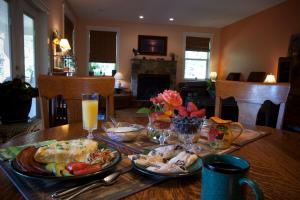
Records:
x=66, y=160
x=168, y=161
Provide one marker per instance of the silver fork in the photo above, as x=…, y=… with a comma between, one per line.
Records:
x=104, y=183
x=108, y=180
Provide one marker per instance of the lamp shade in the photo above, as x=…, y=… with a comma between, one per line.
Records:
x=213, y=76
x=64, y=44
x=119, y=76
x=270, y=79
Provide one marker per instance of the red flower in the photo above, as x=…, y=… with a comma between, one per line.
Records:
x=172, y=98
x=157, y=100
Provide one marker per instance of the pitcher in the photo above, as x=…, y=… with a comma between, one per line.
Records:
x=220, y=135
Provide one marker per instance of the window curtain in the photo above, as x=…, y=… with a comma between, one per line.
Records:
x=197, y=44
x=103, y=46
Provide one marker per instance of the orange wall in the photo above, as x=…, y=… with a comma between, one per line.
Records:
x=256, y=43
x=129, y=32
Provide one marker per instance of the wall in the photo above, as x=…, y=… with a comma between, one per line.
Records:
x=256, y=43
x=57, y=9
x=129, y=32
x=55, y=16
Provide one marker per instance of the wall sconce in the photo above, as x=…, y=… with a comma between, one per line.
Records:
x=213, y=76
x=270, y=79
x=118, y=77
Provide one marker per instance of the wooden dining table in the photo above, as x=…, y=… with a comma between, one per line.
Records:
x=274, y=160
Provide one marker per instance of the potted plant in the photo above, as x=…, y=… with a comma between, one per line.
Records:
x=15, y=100
x=91, y=70
x=211, y=88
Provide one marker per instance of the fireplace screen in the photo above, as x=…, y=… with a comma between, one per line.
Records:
x=149, y=85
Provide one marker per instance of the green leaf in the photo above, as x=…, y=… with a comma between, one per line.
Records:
x=144, y=110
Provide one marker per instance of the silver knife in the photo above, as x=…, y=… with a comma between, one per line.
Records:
x=110, y=179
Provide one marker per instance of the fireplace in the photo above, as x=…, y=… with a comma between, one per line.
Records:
x=149, y=77
x=149, y=85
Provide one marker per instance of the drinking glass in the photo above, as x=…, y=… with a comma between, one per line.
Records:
x=158, y=129
x=186, y=130
x=90, y=113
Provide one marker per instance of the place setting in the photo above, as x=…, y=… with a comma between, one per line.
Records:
x=69, y=168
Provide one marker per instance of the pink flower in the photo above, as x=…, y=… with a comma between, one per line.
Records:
x=172, y=97
x=157, y=100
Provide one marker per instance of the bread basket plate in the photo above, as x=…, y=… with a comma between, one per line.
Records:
x=191, y=170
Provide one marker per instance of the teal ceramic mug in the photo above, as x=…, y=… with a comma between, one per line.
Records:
x=224, y=178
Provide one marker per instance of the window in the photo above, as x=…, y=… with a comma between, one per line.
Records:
x=197, y=57
x=29, y=50
x=29, y=57
x=5, y=60
x=103, y=52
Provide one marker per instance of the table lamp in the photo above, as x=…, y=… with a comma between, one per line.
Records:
x=64, y=44
x=118, y=77
x=213, y=76
x=270, y=79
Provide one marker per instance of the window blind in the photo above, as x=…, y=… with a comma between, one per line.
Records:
x=197, y=43
x=103, y=46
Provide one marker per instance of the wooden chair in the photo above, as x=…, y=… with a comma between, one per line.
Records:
x=257, y=77
x=71, y=88
x=250, y=96
x=233, y=76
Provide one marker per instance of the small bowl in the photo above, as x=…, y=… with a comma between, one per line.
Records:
x=119, y=135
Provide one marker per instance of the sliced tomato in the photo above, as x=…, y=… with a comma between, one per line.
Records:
x=88, y=170
x=74, y=166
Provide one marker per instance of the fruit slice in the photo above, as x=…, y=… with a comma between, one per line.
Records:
x=198, y=113
x=59, y=167
x=219, y=120
x=88, y=170
x=160, y=116
x=50, y=167
x=191, y=107
x=73, y=166
x=66, y=173
x=182, y=111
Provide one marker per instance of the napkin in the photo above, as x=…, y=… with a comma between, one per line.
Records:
x=12, y=151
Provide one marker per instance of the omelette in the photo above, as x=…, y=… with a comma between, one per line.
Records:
x=66, y=151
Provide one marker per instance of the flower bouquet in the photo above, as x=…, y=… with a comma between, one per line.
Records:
x=160, y=114
x=167, y=109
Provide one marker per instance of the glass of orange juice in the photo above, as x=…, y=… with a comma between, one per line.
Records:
x=90, y=113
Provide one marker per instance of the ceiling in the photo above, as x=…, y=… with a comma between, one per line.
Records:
x=207, y=13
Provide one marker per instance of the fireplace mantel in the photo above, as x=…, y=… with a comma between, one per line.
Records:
x=149, y=66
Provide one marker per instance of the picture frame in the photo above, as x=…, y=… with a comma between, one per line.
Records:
x=152, y=45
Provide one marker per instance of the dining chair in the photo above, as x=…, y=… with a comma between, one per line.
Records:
x=71, y=89
x=233, y=76
x=257, y=77
x=250, y=96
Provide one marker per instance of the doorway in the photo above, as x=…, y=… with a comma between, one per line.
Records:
x=28, y=27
